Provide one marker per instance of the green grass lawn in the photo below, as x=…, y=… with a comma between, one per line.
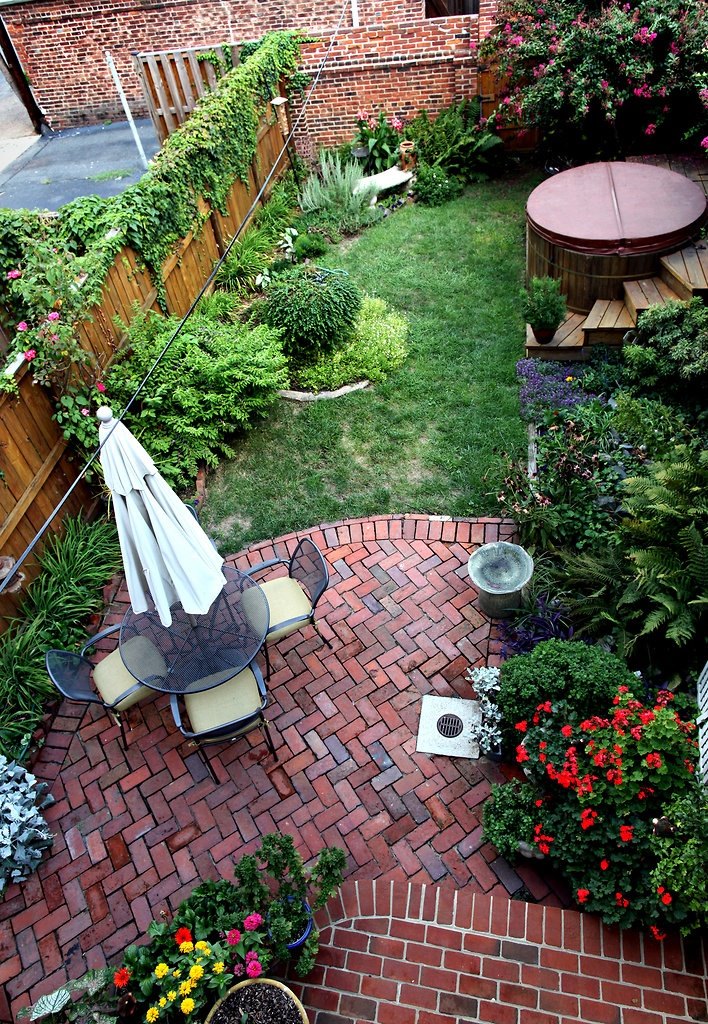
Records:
x=427, y=439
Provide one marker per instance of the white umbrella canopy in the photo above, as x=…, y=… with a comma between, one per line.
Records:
x=165, y=551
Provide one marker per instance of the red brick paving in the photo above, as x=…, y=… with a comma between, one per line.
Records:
x=138, y=828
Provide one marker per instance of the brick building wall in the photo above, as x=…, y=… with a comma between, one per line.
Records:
x=395, y=60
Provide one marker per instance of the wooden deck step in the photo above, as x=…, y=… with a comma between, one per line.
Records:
x=567, y=343
x=650, y=291
x=607, y=322
x=686, y=271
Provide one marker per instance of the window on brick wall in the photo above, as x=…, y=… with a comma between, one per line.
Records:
x=447, y=8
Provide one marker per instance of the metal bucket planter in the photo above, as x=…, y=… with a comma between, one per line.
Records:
x=500, y=571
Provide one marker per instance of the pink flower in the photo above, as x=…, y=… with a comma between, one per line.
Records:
x=396, y=124
x=53, y=316
x=85, y=412
x=604, y=84
x=251, y=955
x=704, y=143
x=473, y=44
x=30, y=354
x=650, y=129
x=254, y=969
x=12, y=275
x=100, y=386
x=362, y=115
x=252, y=922
x=238, y=970
x=22, y=326
x=234, y=936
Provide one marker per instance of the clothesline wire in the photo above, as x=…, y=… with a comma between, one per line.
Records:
x=178, y=329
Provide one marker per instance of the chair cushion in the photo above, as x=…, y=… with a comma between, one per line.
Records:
x=112, y=679
x=286, y=600
x=225, y=704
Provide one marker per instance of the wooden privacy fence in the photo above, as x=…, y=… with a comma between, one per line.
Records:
x=36, y=465
x=174, y=80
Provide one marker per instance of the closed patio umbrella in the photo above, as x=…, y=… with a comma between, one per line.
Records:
x=165, y=551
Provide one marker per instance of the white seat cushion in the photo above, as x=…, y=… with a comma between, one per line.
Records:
x=111, y=678
x=237, y=698
x=286, y=600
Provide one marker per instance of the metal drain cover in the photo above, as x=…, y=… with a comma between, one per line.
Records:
x=450, y=726
x=446, y=726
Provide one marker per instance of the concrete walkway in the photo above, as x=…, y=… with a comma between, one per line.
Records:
x=425, y=931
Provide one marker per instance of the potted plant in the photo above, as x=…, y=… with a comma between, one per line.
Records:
x=487, y=732
x=275, y=882
x=544, y=308
x=264, y=999
x=508, y=823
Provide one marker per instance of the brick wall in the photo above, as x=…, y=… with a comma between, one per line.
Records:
x=394, y=60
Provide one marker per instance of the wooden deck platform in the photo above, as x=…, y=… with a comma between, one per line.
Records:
x=607, y=322
x=686, y=271
x=567, y=343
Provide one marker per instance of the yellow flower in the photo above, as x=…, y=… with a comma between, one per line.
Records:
x=186, y=947
x=218, y=967
x=176, y=974
x=161, y=970
x=187, y=1006
x=152, y=1015
x=196, y=972
x=202, y=946
x=171, y=995
x=570, y=378
x=185, y=988
x=163, y=1001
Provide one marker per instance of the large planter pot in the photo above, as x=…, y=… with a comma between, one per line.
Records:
x=543, y=335
x=254, y=997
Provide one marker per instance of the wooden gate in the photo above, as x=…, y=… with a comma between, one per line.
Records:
x=490, y=87
x=175, y=80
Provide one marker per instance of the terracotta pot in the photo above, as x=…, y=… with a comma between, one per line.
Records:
x=543, y=334
x=407, y=151
x=260, y=981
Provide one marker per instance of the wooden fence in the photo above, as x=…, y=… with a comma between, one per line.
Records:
x=37, y=467
x=174, y=81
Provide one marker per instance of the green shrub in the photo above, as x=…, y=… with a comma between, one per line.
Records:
x=455, y=142
x=657, y=426
x=333, y=199
x=308, y=247
x=682, y=855
x=433, y=187
x=314, y=309
x=53, y=614
x=508, y=818
x=377, y=346
x=670, y=354
x=248, y=257
x=585, y=676
x=213, y=381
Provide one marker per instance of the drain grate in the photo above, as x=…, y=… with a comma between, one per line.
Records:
x=450, y=726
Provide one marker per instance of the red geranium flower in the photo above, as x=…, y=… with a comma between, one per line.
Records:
x=522, y=726
x=583, y=895
x=121, y=977
x=604, y=864
x=653, y=760
x=626, y=833
x=183, y=935
x=658, y=935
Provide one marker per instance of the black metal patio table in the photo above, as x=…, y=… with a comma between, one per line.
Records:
x=197, y=652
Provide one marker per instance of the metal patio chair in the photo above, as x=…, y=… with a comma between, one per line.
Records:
x=223, y=713
x=108, y=682
x=292, y=599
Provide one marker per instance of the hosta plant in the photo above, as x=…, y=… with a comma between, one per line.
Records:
x=24, y=835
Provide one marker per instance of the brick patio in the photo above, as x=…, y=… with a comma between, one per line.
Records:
x=138, y=828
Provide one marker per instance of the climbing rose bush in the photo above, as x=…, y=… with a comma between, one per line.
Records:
x=626, y=75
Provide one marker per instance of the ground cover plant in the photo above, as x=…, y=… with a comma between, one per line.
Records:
x=424, y=439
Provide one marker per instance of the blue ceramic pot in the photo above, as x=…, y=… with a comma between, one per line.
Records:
x=308, y=928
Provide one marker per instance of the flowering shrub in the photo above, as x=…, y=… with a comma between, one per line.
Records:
x=622, y=73
x=433, y=187
x=606, y=778
x=382, y=136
